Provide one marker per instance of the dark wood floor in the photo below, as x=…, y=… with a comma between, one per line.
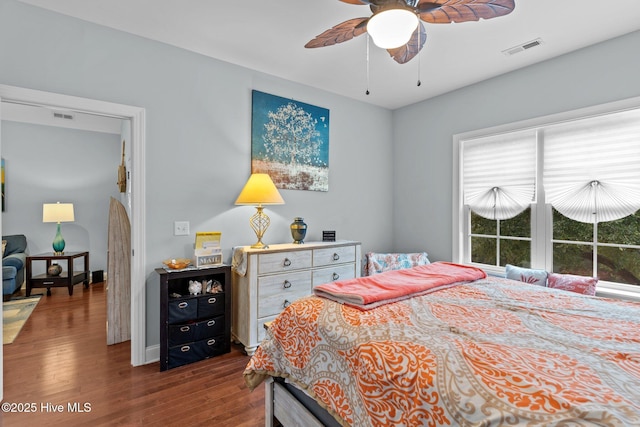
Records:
x=61, y=358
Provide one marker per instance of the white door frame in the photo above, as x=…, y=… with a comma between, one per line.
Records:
x=138, y=209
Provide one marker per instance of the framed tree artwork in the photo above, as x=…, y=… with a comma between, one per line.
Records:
x=290, y=142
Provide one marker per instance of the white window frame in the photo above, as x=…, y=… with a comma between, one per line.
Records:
x=499, y=237
x=541, y=219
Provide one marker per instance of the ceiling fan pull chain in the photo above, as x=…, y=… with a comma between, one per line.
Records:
x=367, y=92
x=419, y=41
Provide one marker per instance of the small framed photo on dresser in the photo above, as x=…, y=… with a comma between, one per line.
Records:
x=329, y=236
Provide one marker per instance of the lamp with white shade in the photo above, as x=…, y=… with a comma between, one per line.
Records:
x=58, y=212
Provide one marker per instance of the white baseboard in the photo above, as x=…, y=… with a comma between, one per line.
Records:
x=152, y=354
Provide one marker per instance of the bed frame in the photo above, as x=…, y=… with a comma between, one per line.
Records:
x=290, y=407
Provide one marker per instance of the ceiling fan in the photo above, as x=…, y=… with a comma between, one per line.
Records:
x=408, y=15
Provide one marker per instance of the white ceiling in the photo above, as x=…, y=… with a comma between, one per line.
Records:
x=269, y=36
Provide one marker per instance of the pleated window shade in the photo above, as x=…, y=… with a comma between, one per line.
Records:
x=499, y=174
x=592, y=167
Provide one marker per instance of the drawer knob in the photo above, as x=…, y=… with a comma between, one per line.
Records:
x=336, y=257
x=211, y=341
x=286, y=284
x=287, y=262
x=183, y=305
x=185, y=328
x=211, y=322
x=336, y=276
x=185, y=348
x=286, y=303
x=212, y=300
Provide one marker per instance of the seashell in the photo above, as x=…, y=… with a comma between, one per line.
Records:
x=216, y=287
x=207, y=286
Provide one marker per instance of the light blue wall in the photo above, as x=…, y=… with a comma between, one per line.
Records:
x=198, y=114
x=47, y=164
x=423, y=132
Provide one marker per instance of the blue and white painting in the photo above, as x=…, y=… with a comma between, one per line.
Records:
x=290, y=142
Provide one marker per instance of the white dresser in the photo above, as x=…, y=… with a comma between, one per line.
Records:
x=277, y=276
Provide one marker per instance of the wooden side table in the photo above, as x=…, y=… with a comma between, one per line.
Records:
x=67, y=278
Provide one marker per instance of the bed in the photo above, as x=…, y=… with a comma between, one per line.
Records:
x=471, y=351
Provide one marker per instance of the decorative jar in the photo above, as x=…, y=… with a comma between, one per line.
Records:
x=298, y=230
x=54, y=270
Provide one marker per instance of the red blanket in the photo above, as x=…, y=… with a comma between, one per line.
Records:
x=372, y=291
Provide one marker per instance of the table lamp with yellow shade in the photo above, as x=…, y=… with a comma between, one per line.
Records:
x=258, y=191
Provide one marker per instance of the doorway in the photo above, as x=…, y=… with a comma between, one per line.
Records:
x=136, y=116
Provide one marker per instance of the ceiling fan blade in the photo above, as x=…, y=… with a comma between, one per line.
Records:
x=342, y=32
x=466, y=10
x=406, y=53
x=426, y=6
x=356, y=1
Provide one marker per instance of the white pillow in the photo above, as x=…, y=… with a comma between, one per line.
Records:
x=527, y=275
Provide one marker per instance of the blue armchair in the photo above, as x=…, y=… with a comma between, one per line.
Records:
x=13, y=262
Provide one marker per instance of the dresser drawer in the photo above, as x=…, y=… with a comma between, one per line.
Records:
x=198, y=350
x=211, y=305
x=183, y=354
x=213, y=346
x=182, y=334
x=209, y=328
x=279, y=262
x=331, y=274
x=330, y=256
x=182, y=310
x=276, y=291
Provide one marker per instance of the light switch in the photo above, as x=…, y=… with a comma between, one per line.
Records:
x=181, y=228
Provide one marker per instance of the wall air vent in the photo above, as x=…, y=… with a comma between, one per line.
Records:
x=64, y=116
x=522, y=47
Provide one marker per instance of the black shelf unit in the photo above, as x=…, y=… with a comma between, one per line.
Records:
x=193, y=327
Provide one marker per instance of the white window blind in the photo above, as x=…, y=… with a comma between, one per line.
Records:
x=499, y=174
x=592, y=167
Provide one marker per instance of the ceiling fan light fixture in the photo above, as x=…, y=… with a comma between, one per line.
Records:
x=392, y=28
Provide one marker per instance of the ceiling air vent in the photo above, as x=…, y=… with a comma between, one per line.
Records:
x=522, y=47
x=64, y=116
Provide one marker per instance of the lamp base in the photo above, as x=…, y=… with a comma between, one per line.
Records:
x=58, y=242
x=259, y=222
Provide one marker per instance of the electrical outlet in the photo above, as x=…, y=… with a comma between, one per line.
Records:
x=181, y=228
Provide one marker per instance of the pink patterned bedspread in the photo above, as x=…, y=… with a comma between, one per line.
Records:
x=492, y=352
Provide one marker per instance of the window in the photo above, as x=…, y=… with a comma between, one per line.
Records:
x=609, y=250
x=559, y=193
x=501, y=242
